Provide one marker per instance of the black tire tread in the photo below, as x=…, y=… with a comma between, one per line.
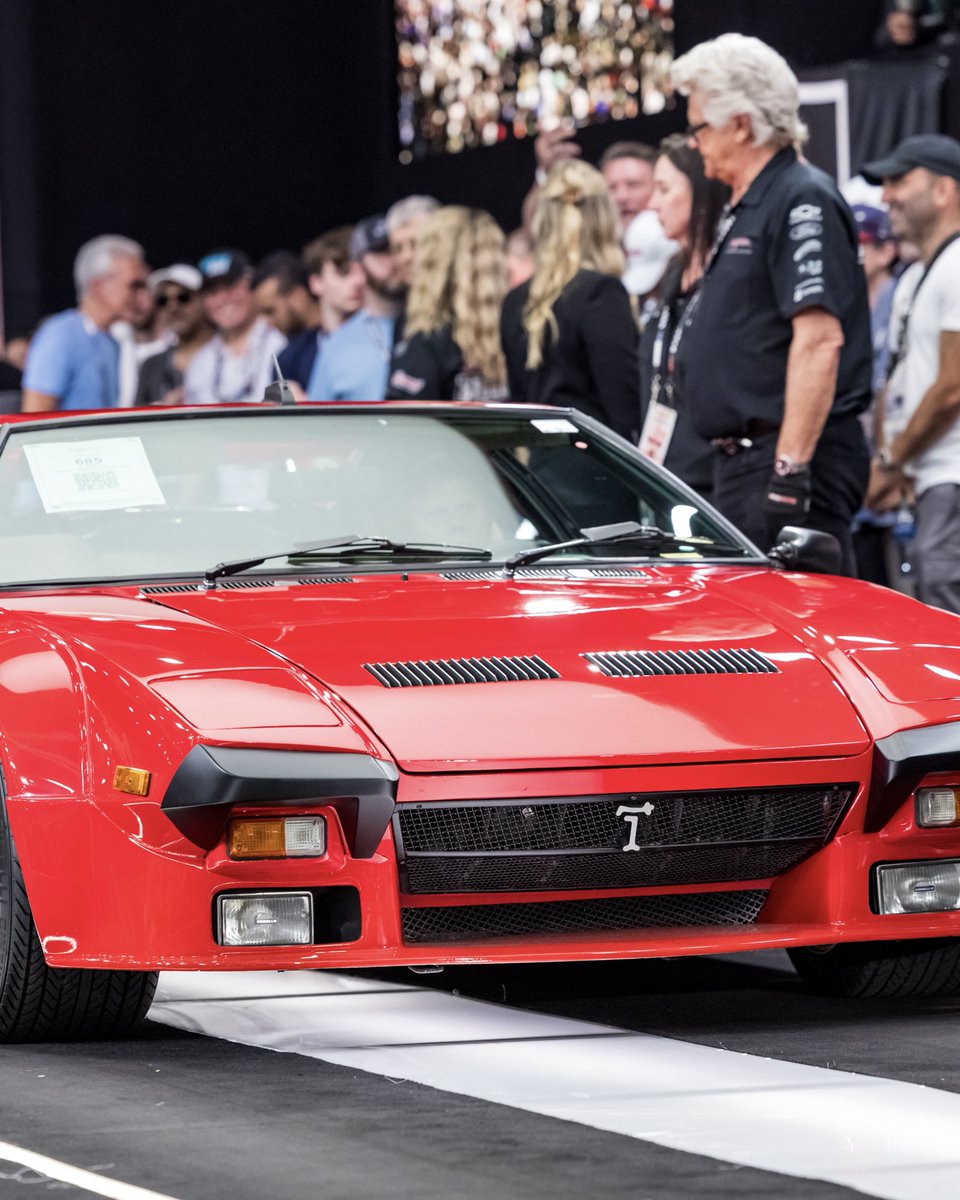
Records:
x=43, y=1003
x=882, y=970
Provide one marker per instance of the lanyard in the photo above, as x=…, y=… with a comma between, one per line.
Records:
x=898, y=353
x=663, y=371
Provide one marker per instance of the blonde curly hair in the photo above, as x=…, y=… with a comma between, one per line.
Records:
x=460, y=279
x=575, y=227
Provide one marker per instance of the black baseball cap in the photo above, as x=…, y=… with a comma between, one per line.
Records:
x=223, y=267
x=370, y=236
x=934, y=151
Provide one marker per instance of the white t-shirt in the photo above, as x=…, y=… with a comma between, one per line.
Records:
x=936, y=310
x=216, y=375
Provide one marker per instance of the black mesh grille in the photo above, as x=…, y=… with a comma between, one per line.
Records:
x=478, y=922
x=437, y=672
x=682, y=662
x=547, y=845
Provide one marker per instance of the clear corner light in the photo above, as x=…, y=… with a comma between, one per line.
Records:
x=265, y=919
x=919, y=887
x=938, y=807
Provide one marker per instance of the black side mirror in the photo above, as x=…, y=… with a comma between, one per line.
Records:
x=807, y=550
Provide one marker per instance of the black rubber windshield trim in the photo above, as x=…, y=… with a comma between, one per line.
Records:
x=212, y=780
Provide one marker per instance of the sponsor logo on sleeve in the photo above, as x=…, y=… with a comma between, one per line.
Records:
x=805, y=212
x=808, y=288
x=806, y=229
x=811, y=246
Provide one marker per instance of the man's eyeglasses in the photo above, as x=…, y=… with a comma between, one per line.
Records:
x=166, y=298
x=691, y=131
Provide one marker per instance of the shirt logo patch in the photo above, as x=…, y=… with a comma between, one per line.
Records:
x=809, y=287
x=740, y=245
x=812, y=246
x=805, y=212
x=806, y=229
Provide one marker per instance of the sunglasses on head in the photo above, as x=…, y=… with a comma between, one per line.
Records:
x=166, y=298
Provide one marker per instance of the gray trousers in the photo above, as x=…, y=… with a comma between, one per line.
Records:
x=935, y=554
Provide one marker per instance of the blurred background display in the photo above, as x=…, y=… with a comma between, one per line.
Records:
x=477, y=72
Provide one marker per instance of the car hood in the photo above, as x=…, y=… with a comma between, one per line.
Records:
x=338, y=631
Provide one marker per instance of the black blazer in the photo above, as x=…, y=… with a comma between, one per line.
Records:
x=592, y=364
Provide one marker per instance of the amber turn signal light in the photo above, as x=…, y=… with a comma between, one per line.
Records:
x=284, y=837
x=256, y=839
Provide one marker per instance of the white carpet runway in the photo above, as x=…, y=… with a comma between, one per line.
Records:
x=883, y=1138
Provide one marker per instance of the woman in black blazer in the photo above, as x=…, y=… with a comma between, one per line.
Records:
x=569, y=334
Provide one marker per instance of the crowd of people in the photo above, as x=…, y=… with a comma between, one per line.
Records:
x=716, y=301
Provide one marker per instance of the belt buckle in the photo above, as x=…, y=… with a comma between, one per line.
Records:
x=731, y=445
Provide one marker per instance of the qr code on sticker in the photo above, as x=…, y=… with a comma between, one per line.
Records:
x=96, y=481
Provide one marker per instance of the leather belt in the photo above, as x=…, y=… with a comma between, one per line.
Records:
x=745, y=438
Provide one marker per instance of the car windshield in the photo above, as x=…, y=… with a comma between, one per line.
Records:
x=175, y=494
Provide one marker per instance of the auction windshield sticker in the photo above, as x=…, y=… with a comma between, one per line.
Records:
x=103, y=474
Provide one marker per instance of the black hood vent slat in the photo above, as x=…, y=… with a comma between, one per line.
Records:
x=171, y=589
x=494, y=573
x=443, y=671
x=636, y=663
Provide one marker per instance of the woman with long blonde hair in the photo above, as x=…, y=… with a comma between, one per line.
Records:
x=450, y=348
x=569, y=335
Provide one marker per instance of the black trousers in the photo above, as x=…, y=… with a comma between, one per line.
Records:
x=840, y=470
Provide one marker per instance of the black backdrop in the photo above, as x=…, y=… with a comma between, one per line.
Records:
x=193, y=123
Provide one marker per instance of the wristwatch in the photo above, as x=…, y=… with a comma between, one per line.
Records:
x=885, y=461
x=785, y=466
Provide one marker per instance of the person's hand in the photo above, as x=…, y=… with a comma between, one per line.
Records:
x=172, y=398
x=885, y=489
x=555, y=145
x=787, y=500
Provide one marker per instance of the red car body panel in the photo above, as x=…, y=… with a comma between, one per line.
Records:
x=104, y=673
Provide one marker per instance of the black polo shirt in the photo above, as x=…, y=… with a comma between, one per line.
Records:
x=792, y=246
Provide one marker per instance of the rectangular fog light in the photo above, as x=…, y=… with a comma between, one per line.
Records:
x=265, y=919
x=919, y=887
x=304, y=836
x=938, y=807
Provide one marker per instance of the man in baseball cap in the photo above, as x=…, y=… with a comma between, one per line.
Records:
x=933, y=152
x=355, y=360
x=236, y=365
x=179, y=302
x=921, y=435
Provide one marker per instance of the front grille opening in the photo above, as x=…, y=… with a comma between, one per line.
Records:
x=483, y=922
x=584, y=843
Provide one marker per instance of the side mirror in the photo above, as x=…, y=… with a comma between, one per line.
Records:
x=800, y=549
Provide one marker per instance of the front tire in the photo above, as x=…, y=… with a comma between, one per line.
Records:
x=41, y=1003
x=881, y=970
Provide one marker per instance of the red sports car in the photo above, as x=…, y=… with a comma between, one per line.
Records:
x=382, y=685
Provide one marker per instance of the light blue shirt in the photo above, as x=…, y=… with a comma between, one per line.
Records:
x=72, y=359
x=354, y=361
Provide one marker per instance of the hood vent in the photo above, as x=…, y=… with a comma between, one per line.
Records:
x=682, y=662
x=170, y=589
x=546, y=573
x=437, y=672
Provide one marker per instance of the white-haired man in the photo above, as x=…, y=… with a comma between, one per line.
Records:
x=73, y=361
x=775, y=356
x=405, y=220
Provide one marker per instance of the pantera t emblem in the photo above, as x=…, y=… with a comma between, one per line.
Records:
x=632, y=817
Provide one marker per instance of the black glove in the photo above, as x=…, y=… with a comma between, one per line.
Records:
x=787, y=500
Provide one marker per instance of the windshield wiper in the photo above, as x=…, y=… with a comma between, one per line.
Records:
x=355, y=547
x=626, y=531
